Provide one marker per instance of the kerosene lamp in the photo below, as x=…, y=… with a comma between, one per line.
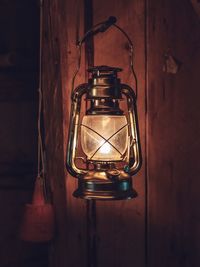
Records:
x=108, y=135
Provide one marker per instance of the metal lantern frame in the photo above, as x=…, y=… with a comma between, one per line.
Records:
x=104, y=90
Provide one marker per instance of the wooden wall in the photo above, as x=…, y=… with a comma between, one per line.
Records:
x=121, y=224
x=19, y=46
x=161, y=226
x=173, y=135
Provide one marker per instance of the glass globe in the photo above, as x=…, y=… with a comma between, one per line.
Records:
x=104, y=137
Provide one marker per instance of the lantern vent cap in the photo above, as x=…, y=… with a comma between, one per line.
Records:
x=104, y=70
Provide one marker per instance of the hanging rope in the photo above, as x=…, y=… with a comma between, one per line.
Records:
x=38, y=221
x=40, y=162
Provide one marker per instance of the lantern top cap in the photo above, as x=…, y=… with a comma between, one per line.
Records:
x=99, y=70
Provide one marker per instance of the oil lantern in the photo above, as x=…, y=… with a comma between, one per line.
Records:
x=104, y=136
x=108, y=136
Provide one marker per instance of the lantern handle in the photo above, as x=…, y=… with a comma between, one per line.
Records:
x=135, y=149
x=102, y=27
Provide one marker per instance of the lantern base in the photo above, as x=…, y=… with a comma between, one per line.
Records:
x=105, y=190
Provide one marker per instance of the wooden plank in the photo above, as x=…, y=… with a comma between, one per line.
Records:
x=63, y=20
x=18, y=94
x=18, y=134
x=53, y=120
x=18, y=137
x=18, y=86
x=76, y=208
x=91, y=220
x=17, y=182
x=19, y=35
x=173, y=136
x=121, y=224
x=17, y=168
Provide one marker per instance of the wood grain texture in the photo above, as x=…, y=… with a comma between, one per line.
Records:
x=62, y=25
x=91, y=222
x=172, y=192
x=18, y=131
x=76, y=208
x=173, y=136
x=121, y=224
x=53, y=120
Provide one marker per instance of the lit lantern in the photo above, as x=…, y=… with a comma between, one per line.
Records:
x=106, y=138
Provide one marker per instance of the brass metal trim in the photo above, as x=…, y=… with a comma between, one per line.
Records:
x=135, y=149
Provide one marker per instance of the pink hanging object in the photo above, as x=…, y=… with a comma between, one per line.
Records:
x=38, y=221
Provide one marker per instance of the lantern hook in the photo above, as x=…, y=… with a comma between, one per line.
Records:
x=102, y=27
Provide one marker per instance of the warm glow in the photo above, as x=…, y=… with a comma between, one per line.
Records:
x=105, y=149
x=104, y=137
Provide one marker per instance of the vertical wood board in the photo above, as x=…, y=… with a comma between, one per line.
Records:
x=121, y=224
x=62, y=25
x=53, y=119
x=173, y=135
x=73, y=11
